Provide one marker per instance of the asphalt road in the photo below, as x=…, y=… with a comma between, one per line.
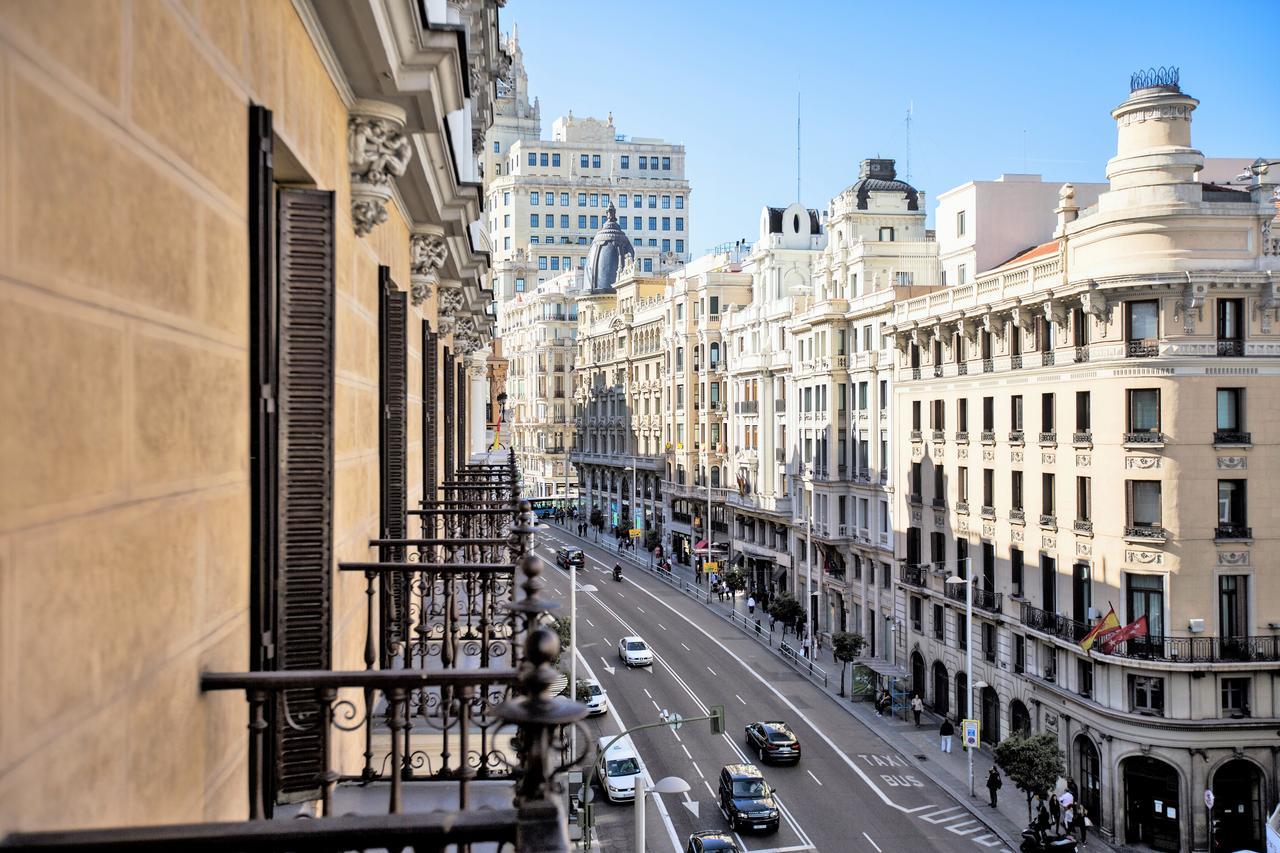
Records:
x=848, y=793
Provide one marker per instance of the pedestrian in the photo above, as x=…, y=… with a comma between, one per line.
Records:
x=917, y=705
x=1082, y=824
x=1042, y=820
x=1071, y=786
x=993, y=784
x=1055, y=812
x=751, y=605
x=818, y=638
x=805, y=648
x=887, y=704
x=945, y=731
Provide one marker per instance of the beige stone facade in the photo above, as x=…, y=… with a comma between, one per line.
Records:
x=1089, y=426
x=125, y=325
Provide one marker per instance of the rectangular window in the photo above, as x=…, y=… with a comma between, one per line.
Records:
x=582, y=220
x=1019, y=653
x=679, y=247
x=962, y=274
x=915, y=414
x=1016, y=490
x=1048, y=583
x=1144, y=410
x=666, y=202
x=622, y=200
x=550, y=199
x=962, y=632
x=1232, y=510
x=644, y=162
x=564, y=220
x=1142, y=327
x=564, y=199
x=549, y=221
x=533, y=220
x=626, y=164
x=582, y=199
x=533, y=198
x=555, y=159
x=648, y=264
x=1144, y=504
x=1230, y=415
x=584, y=160
x=988, y=414
x=962, y=414
x=1233, y=606
x=886, y=234
x=622, y=220
x=520, y=285
x=1084, y=677
x=595, y=222
x=653, y=223
x=939, y=623
x=1046, y=413
x=533, y=158
x=666, y=164
x=1146, y=694
x=960, y=223
x=653, y=201
x=989, y=642
x=1083, y=413
x=917, y=607
x=595, y=161
x=653, y=163
x=679, y=202
x=666, y=245
x=1015, y=413
x=1015, y=571
x=1048, y=504
x=555, y=263
x=594, y=199
x=1084, y=499
x=1145, y=598
x=542, y=263
x=1235, y=697
x=988, y=487
x=962, y=483
x=666, y=223
x=637, y=223
x=1230, y=324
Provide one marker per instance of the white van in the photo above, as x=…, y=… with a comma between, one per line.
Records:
x=620, y=767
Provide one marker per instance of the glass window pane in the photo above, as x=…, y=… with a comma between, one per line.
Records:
x=1146, y=502
x=1143, y=318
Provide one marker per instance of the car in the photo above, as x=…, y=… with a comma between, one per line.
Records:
x=634, y=651
x=597, y=698
x=712, y=841
x=746, y=800
x=570, y=556
x=773, y=741
x=620, y=768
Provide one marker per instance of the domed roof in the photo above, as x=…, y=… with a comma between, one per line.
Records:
x=608, y=250
x=879, y=176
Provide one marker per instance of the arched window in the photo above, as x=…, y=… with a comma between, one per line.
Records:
x=715, y=477
x=715, y=354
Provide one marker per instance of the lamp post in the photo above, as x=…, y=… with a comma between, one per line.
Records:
x=573, y=644
x=968, y=655
x=808, y=571
x=667, y=785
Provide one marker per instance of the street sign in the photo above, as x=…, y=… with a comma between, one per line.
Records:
x=971, y=736
x=672, y=719
x=710, y=567
x=636, y=531
x=717, y=719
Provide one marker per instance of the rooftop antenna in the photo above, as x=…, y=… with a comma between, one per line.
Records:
x=797, y=144
x=907, y=170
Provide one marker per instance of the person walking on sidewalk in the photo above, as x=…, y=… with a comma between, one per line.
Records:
x=751, y=605
x=945, y=731
x=993, y=784
x=916, y=707
x=1082, y=824
x=1055, y=812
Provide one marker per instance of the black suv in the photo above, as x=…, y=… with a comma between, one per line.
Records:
x=774, y=741
x=712, y=841
x=566, y=557
x=746, y=800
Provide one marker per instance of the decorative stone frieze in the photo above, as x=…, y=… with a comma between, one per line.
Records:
x=1144, y=558
x=1141, y=463
x=1233, y=463
x=1233, y=558
x=450, y=305
x=377, y=153
x=427, y=253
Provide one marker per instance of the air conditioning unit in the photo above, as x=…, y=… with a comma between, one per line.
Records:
x=1093, y=613
x=1195, y=626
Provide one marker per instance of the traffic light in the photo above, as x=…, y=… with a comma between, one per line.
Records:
x=717, y=719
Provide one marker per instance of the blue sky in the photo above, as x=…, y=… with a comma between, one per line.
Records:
x=996, y=87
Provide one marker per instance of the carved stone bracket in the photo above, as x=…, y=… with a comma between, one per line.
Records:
x=1055, y=313
x=1190, y=306
x=1094, y=303
x=993, y=323
x=1269, y=305
x=427, y=253
x=967, y=328
x=451, y=304
x=377, y=153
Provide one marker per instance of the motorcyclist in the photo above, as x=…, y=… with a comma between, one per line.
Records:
x=617, y=571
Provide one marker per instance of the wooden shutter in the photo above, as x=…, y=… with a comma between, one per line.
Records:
x=392, y=395
x=430, y=409
x=448, y=415
x=304, y=542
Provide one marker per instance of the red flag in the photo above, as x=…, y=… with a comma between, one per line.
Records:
x=1136, y=628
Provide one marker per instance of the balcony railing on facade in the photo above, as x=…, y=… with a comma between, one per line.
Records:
x=1228, y=436
x=983, y=599
x=1228, y=530
x=1053, y=624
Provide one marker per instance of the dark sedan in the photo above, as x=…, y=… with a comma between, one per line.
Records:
x=773, y=741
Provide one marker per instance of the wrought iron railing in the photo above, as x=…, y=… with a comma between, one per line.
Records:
x=1199, y=649
x=939, y=435
x=962, y=437
x=988, y=436
x=1144, y=437
x=988, y=600
x=1053, y=624
x=1230, y=436
x=1018, y=514
x=1082, y=437
x=1153, y=532
x=1083, y=526
x=1017, y=437
x=1048, y=438
x=915, y=575
x=1081, y=354
x=988, y=365
x=1232, y=531
x=1231, y=347
x=1048, y=358
x=1141, y=349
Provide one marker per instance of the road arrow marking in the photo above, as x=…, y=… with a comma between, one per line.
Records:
x=607, y=668
x=690, y=804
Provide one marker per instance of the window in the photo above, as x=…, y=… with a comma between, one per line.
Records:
x=666, y=223
x=917, y=474
x=637, y=223
x=962, y=484
x=566, y=263
x=962, y=275
x=1015, y=571
x=1235, y=697
x=542, y=263
x=1230, y=323
x=1046, y=413
x=939, y=485
x=533, y=158
x=582, y=199
x=917, y=607
x=1144, y=410
x=1016, y=490
x=962, y=632
x=886, y=234
x=1230, y=423
x=582, y=220
x=1146, y=598
x=533, y=198
x=555, y=263
x=939, y=625
x=644, y=163
x=653, y=163
x=1083, y=413
x=1084, y=677
x=715, y=306
x=594, y=199
x=584, y=160
x=1144, y=504
x=989, y=642
x=622, y=220
x=679, y=247
x=1015, y=413
x=915, y=415
x=666, y=164
x=1146, y=694
x=1084, y=499
x=625, y=162
x=549, y=221
x=653, y=223
x=555, y=161
x=533, y=220
x=666, y=202
x=506, y=199
x=1047, y=502
x=595, y=161
x=988, y=414
x=1048, y=583
x=1233, y=606
x=520, y=285
x=1019, y=653
x=595, y=222
x=988, y=487
x=1232, y=515
x=564, y=220
x=648, y=264
x=1142, y=321
x=679, y=202
x=564, y=199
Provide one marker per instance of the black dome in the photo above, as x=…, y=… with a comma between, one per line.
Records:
x=608, y=251
x=880, y=176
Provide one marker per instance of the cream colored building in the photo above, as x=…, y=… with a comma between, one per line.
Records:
x=1092, y=425
x=243, y=242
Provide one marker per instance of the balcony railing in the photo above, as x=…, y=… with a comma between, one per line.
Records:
x=1048, y=358
x=1141, y=349
x=1149, y=532
x=916, y=435
x=1200, y=649
x=915, y=575
x=1082, y=437
x=962, y=437
x=962, y=507
x=939, y=435
x=915, y=373
x=987, y=600
x=1083, y=526
x=1019, y=515
x=939, y=503
x=988, y=511
x=1232, y=531
x=1053, y=624
x=1144, y=437
x=1017, y=437
x=747, y=407
x=962, y=369
x=1228, y=436
x=1081, y=354
x=988, y=365
x=988, y=436
x=1231, y=347
x=1049, y=520
x=915, y=500
x=1047, y=438
x=1015, y=362
x=937, y=371
x=780, y=405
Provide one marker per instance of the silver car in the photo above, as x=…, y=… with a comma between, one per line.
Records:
x=635, y=652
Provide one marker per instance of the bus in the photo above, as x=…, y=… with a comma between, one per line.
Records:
x=546, y=507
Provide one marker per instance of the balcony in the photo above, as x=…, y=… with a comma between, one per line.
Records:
x=915, y=373
x=939, y=503
x=780, y=406
x=1232, y=531
x=985, y=599
x=1232, y=348
x=1151, y=438
x=1017, y=438
x=988, y=436
x=1048, y=521
x=939, y=436
x=937, y=371
x=1083, y=526
x=1053, y=624
x=1048, y=439
x=916, y=435
x=1141, y=349
x=962, y=369
x=962, y=507
x=747, y=407
x=1018, y=516
x=1227, y=436
x=1082, y=438
x=1200, y=649
x=962, y=437
x=915, y=575
x=1048, y=358
x=1015, y=362
x=1145, y=532
x=988, y=511
x=915, y=500
x=988, y=365
x=1081, y=355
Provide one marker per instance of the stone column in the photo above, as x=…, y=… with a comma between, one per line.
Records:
x=477, y=397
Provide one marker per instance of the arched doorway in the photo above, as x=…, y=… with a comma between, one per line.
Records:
x=1019, y=718
x=990, y=705
x=917, y=674
x=1237, y=806
x=1090, y=774
x=962, y=696
x=1151, y=806
x=941, y=687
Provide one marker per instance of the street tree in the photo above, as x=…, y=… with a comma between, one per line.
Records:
x=845, y=646
x=561, y=625
x=787, y=609
x=735, y=579
x=1033, y=763
x=597, y=518
x=651, y=540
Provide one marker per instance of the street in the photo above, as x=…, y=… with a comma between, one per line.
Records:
x=849, y=792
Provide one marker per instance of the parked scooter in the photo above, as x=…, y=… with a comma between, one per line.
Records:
x=617, y=571
x=1035, y=841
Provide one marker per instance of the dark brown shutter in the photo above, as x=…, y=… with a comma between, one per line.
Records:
x=448, y=415
x=393, y=384
x=304, y=518
x=461, y=418
x=430, y=409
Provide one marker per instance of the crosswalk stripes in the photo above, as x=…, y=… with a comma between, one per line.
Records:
x=940, y=816
x=969, y=827
x=987, y=840
x=955, y=820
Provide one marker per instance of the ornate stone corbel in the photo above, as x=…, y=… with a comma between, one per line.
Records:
x=427, y=253
x=377, y=153
x=1269, y=304
x=1190, y=305
x=993, y=324
x=1094, y=303
x=919, y=336
x=968, y=329
x=1020, y=317
x=1055, y=313
x=451, y=302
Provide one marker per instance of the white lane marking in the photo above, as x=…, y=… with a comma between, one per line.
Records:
x=657, y=798
x=939, y=816
x=815, y=778
x=708, y=784
x=589, y=622
x=686, y=648
x=872, y=843
x=660, y=628
x=956, y=827
x=739, y=698
x=655, y=705
x=710, y=670
x=622, y=595
x=677, y=737
x=641, y=609
x=646, y=692
x=987, y=840
x=698, y=770
x=686, y=752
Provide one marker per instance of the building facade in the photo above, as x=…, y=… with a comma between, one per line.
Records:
x=1084, y=428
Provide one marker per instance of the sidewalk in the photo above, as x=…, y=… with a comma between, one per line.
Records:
x=948, y=771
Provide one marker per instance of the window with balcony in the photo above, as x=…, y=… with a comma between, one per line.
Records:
x=962, y=557
x=916, y=408
x=988, y=418
x=962, y=485
x=1084, y=505
x=1230, y=417
x=1048, y=421
x=1144, y=509
x=939, y=487
x=1142, y=328
x=988, y=491
x=1235, y=697
x=1019, y=653
x=989, y=642
x=1232, y=511
x=1048, y=501
x=1081, y=591
x=917, y=477
x=1048, y=583
x=1146, y=694
x=1143, y=416
x=962, y=632
x=917, y=612
x=1015, y=417
x=1233, y=606
x=962, y=416
x=1084, y=419
x=1230, y=326
x=1145, y=597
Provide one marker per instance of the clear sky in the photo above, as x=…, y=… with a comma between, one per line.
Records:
x=995, y=87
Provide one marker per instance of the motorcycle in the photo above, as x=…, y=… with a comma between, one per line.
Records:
x=1034, y=841
x=617, y=573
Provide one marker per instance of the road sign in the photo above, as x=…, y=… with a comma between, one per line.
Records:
x=717, y=719
x=710, y=567
x=636, y=531
x=671, y=718
x=971, y=736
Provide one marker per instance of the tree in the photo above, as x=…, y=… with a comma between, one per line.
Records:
x=584, y=692
x=597, y=518
x=651, y=540
x=735, y=579
x=561, y=625
x=1033, y=763
x=846, y=646
x=787, y=610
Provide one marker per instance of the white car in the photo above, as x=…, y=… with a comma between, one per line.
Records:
x=620, y=767
x=597, y=698
x=635, y=652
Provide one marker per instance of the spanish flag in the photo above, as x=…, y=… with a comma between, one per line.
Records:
x=1109, y=623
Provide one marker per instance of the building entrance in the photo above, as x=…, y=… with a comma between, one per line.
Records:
x=1152, y=811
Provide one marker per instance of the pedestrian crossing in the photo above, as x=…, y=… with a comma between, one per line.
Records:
x=956, y=820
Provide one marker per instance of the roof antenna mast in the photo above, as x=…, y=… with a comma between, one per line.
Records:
x=797, y=144
x=907, y=170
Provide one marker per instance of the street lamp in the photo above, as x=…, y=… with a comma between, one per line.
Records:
x=573, y=644
x=968, y=657
x=668, y=785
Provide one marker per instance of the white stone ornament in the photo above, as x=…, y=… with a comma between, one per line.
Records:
x=427, y=253
x=377, y=153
